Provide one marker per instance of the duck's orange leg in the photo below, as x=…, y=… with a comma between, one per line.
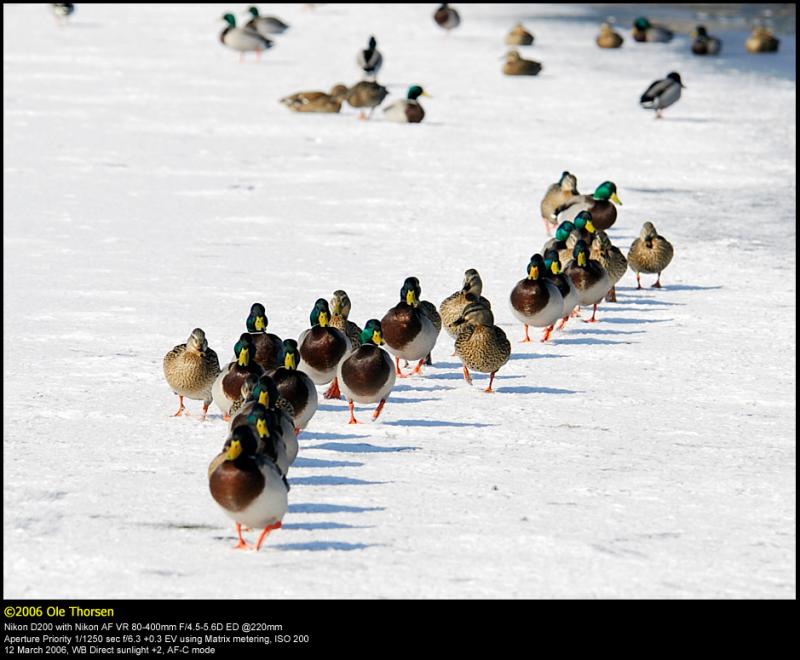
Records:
x=638, y=281
x=547, y=332
x=205, y=410
x=593, y=319
x=563, y=322
x=467, y=377
x=353, y=419
x=527, y=339
x=418, y=368
x=265, y=533
x=333, y=391
x=242, y=544
x=181, y=407
x=397, y=368
x=491, y=380
x=377, y=412
x=657, y=285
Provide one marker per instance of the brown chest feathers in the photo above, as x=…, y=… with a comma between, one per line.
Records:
x=530, y=296
x=366, y=370
x=235, y=484
x=400, y=325
x=323, y=348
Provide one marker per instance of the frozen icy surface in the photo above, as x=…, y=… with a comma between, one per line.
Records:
x=153, y=184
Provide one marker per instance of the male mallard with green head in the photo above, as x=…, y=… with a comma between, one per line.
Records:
x=248, y=386
x=643, y=30
x=267, y=347
x=243, y=40
x=273, y=425
x=409, y=328
x=650, y=253
x=599, y=204
x=608, y=38
x=295, y=386
x=265, y=392
x=584, y=231
x=559, y=241
x=535, y=300
x=569, y=294
x=316, y=101
x=452, y=307
x=480, y=344
x=249, y=486
x=407, y=110
x=367, y=375
x=589, y=277
x=610, y=258
x=557, y=194
x=340, y=311
x=366, y=94
x=322, y=348
x=265, y=25
x=519, y=36
x=228, y=385
x=516, y=65
x=191, y=369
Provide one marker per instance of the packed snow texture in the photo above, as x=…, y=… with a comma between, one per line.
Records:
x=153, y=184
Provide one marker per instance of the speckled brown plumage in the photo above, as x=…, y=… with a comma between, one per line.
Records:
x=350, y=329
x=650, y=253
x=519, y=36
x=191, y=372
x=515, y=65
x=609, y=256
x=452, y=307
x=482, y=348
x=556, y=195
x=366, y=94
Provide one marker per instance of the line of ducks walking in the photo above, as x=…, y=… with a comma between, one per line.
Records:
x=268, y=392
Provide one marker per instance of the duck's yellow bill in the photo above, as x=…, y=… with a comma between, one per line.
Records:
x=582, y=259
x=260, y=323
x=615, y=199
x=426, y=95
x=234, y=451
x=289, y=361
x=376, y=338
x=323, y=319
x=411, y=298
x=244, y=357
x=533, y=273
x=554, y=268
x=261, y=427
x=590, y=227
x=263, y=398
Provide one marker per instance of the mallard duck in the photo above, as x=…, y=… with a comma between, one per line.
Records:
x=62, y=10
x=246, y=482
x=295, y=386
x=446, y=17
x=322, y=348
x=408, y=329
x=515, y=65
x=662, y=93
x=650, y=253
x=366, y=94
x=610, y=258
x=340, y=311
x=535, y=300
x=273, y=425
x=480, y=344
x=761, y=41
x=584, y=231
x=704, y=44
x=589, y=277
x=557, y=194
x=452, y=307
x=265, y=25
x=519, y=36
x=316, y=101
x=241, y=39
x=608, y=38
x=191, y=369
x=370, y=60
x=228, y=385
x=429, y=309
x=599, y=204
x=407, y=110
x=644, y=30
x=367, y=375
x=265, y=392
x=267, y=347
x=569, y=294
x=559, y=241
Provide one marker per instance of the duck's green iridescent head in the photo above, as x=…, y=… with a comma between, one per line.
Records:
x=581, y=253
x=242, y=350
x=253, y=11
x=321, y=314
x=257, y=321
x=411, y=291
x=605, y=191
x=372, y=333
x=700, y=31
x=230, y=18
x=642, y=23
x=241, y=442
x=260, y=420
x=535, y=267
x=584, y=221
x=415, y=91
x=552, y=262
x=291, y=354
x=564, y=230
x=265, y=392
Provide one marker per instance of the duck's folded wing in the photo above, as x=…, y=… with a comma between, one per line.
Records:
x=654, y=91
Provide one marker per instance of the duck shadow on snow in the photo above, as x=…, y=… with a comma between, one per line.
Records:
x=535, y=356
x=323, y=524
x=435, y=422
x=409, y=388
x=318, y=507
x=688, y=287
x=618, y=319
x=460, y=376
x=626, y=300
x=321, y=435
x=359, y=447
x=324, y=545
x=600, y=331
x=590, y=341
x=301, y=462
x=327, y=480
x=526, y=389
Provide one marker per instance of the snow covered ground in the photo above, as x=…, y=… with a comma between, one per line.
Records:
x=153, y=184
